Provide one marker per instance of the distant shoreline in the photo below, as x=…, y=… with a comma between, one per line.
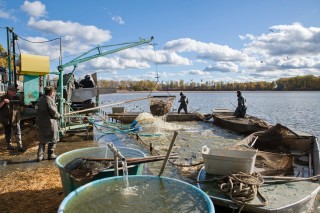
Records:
x=206, y=91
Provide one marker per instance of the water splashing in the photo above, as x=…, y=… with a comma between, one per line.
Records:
x=125, y=173
x=158, y=124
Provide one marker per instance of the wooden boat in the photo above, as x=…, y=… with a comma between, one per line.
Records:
x=275, y=145
x=246, y=126
x=129, y=117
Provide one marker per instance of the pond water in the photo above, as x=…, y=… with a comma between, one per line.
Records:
x=297, y=110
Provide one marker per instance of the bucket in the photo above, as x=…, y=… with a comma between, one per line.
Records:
x=223, y=161
x=145, y=194
x=69, y=183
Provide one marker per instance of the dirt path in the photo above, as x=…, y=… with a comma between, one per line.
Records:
x=29, y=186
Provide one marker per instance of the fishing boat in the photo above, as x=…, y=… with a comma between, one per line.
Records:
x=286, y=160
x=247, y=125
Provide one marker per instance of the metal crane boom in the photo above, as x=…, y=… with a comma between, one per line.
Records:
x=82, y=57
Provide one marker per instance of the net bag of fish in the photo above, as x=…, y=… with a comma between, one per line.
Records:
x=161, y=105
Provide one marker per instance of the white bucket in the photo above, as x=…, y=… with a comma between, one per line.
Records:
x=223, y=161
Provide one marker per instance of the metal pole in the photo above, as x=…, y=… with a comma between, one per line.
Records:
x=61, y=99
x=14, y=60
x=60, y=61
x=9, y=55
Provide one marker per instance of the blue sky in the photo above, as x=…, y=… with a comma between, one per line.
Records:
x=197, y=40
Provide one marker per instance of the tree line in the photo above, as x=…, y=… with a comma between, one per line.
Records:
x=298, y=83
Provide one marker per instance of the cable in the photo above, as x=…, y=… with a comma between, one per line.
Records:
x=39, y=42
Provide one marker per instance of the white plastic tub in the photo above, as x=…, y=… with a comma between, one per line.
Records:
x=222, y=161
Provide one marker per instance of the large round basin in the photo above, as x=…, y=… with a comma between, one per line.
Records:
x=144, y=194
x=69, y=183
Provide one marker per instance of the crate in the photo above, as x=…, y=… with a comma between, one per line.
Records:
x=222, y=161
x=118, y=109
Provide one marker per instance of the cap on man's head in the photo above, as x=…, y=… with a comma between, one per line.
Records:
x=12, y=88
x=48, y=90
x=87, y=76
x=239, y=91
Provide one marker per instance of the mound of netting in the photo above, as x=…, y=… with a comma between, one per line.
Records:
x=274, y=164
x=161, y=105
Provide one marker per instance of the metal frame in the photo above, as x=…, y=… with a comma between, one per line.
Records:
x=89, y=55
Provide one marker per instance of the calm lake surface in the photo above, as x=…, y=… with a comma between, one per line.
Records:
x=297, y=110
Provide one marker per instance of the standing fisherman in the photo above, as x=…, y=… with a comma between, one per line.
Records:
x=47, y=117
x=242, y=106
x=183, y=103
x=10, y=117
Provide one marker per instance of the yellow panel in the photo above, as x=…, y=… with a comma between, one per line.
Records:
x=34, y=64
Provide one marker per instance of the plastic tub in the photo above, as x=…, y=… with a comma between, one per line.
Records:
x=145, y=194
x=222, y=161
x=69, y=183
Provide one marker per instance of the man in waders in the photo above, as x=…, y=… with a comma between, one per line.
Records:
x=47, y=117
x=10, y=117
x=183, y=103
x=242, y=106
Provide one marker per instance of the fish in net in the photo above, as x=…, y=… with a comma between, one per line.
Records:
x=83, y=170
x=161, y=105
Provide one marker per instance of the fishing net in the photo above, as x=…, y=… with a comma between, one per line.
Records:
x=274, y=163
x=81, y=169
x=274, y=145
x=160, y=105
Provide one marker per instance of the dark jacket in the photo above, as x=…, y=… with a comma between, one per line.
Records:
x=86, y=83
x=10, y=113
x=242, y=102
x=47, y=116
x=183, y=100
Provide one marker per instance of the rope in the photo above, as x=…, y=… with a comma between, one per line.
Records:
x=243, y=188
x=156, y=64
x=38, y=42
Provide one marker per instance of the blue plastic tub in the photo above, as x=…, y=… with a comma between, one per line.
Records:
x=69, y=183
x=145, y=194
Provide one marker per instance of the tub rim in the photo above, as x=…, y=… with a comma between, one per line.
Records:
x=210, y=205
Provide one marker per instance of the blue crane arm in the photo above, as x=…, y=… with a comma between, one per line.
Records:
x=84, y=57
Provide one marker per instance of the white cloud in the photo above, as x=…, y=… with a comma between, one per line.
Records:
x=222, y=67
x=76, y=38
x=115, y=63
x=195, y=72
x=210, y=51
x=6, y=13
x=286, y=40
x=161, y=56
x=118, y=19
x=49, y=49
x=72, y=31
x=34, y=9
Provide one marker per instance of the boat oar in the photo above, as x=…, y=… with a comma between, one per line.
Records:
x=280, y=179
x=175, y=134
